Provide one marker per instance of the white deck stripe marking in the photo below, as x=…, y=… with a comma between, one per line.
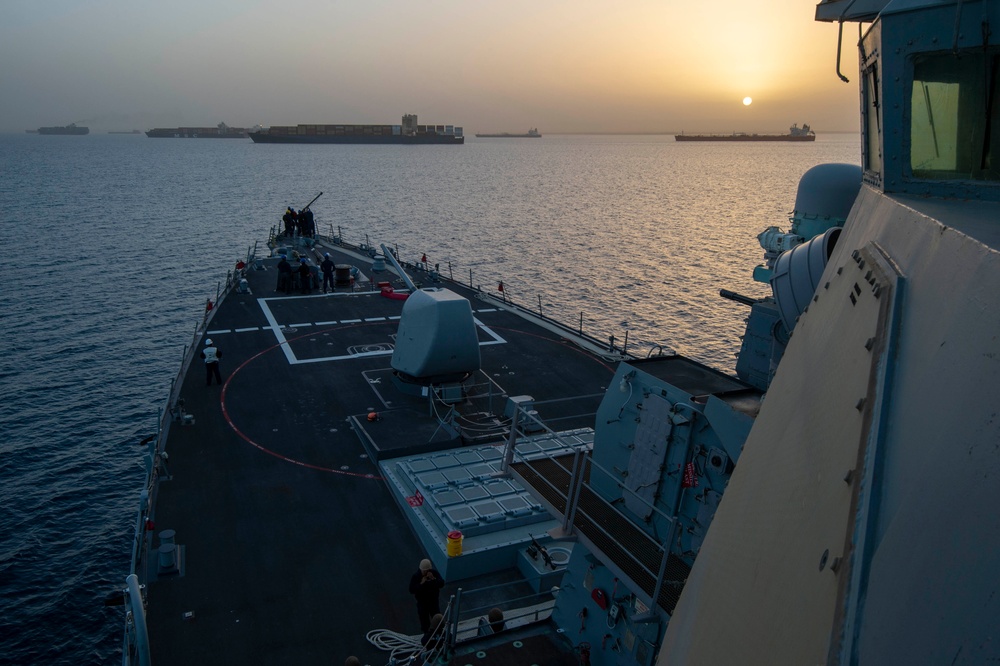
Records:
x=244, y=330
x=376, y=319
x=298, y=325
x=219, y=331
x=348, y=357
x=497, y=340
x=278, y=334
x=487, y=310
x=395, y=317
x=325, y=323
x=292, y=360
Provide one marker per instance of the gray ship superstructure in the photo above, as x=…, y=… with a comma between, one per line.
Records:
x=858, y=527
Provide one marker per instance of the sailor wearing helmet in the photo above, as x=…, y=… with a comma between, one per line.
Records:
x=211, y=354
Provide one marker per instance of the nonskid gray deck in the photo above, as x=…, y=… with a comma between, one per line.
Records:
x=293, y=544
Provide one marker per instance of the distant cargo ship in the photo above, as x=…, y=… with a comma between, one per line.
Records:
x=70, y=129
x=409, y=132
x=795, y=133
x=530, y=134
x=220, y=131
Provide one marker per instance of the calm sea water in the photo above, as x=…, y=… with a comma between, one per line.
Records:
x=117, y=240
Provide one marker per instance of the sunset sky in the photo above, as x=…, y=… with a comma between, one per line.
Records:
x=559, y=65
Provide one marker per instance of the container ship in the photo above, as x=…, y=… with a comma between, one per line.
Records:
x=71, y=129
x=795, y=133
x=220, y=131
x=409, y=132
x=533, y=133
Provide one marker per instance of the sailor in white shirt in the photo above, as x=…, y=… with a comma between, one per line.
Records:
x=211, y=354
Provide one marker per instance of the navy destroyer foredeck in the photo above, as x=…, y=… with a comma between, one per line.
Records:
x=289, y=544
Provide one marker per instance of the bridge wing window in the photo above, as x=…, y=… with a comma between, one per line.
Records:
x=954, y=122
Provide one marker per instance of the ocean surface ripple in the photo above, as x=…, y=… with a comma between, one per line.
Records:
x=117, y=242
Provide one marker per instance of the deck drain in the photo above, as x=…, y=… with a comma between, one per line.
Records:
x=518, y=644
x=481, y=654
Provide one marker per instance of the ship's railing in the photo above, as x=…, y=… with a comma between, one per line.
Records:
x=470, y=618
x=484, y=416
x=463, y=621
x=135, y=649
x=501, y=288
x=580, y=470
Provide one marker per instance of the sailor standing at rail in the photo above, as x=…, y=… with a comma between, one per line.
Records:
x=211, y=354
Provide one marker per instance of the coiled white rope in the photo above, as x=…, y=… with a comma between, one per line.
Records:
x=399, y=646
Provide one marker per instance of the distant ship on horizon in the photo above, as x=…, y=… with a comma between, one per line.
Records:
x=124, y=132
x=530, y=134
x=795, y=133
x=220, y=131
x=408, y=132
x=72, y=130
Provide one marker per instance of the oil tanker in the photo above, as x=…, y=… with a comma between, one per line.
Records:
x=530, y=134
x=795, y=133
x=409, y=132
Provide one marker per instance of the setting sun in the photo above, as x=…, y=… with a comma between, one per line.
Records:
x=747, y=101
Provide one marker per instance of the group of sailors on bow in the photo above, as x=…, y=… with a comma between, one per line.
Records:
x=300, y=223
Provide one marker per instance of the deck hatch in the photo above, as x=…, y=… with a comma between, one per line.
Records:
x=447, y=498
x=480, y=471
x=468, y=457
x=442, y=462
x=473, y=493
x=498, y=488
x=489, y=511
x=419, y=465
x=457, y=475
x=462, y=516
x=528, y=448
x=491, y=454
x=515, y=506
x=432, y=480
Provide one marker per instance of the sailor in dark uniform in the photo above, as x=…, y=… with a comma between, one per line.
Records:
x=327, y=267
x=211, y=354
x=425, y=585
x=284, y=275
x=305, y=276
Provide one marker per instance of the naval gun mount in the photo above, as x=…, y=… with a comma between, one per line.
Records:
x=430, y=391
x=436, y=344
